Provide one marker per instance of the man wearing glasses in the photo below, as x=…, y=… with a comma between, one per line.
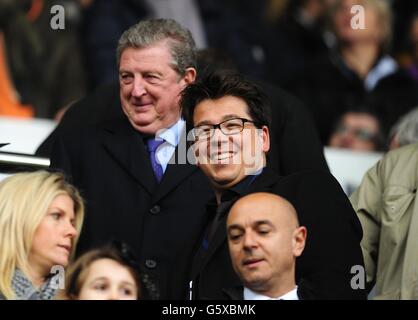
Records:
x=359, y=129
x=231, y=141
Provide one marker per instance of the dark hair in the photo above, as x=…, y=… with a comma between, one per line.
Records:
x=117, y=251
x=367, y=107
x=219, y=84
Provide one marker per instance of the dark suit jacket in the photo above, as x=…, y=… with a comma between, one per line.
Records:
x=111, y=167
x=333, y=241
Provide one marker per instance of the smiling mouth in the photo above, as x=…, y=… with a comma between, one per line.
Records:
x=222, y=156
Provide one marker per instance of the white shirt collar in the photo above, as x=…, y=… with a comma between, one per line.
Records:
x=384, y=67
x=251, y=295
x=172, y=135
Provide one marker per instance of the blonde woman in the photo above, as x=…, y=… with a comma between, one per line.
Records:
x=358, y=69
x=40, y=219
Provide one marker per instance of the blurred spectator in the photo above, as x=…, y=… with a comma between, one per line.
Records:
x=40, y=219
x=385, y=204
x=413, y=44
x=405, y=131
x=107, y=273
x=403, y=11
x=296, y=35
x=40, y=68
x=9, y=102
x=358, y=70
x=358, y=129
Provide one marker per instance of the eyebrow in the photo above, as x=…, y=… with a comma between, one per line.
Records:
x=254, y=224
x=261, y=222
x=52, y=209
x=225, y=117
x=129, y=284
x=98, y=279
x=235, y=226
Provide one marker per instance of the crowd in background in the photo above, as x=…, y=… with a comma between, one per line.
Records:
x=355, y=83
x=359, y=86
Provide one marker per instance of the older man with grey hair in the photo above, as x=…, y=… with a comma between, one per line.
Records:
x=133, y=191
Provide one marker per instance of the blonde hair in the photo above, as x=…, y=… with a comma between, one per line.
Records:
x=384, y=17
x=24, y=201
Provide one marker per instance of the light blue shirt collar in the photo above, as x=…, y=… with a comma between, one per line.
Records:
x=172, y=135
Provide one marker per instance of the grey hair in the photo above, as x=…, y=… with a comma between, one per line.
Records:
x=148, y=32
x=406, y=128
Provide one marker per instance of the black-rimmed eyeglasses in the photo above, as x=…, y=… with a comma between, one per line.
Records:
x=228, y=127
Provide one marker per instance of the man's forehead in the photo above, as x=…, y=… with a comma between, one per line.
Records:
x=255, y=209
x=155, y=50
x=249, y=215
x=223, y=107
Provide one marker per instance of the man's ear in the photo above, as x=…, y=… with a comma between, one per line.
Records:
x=266, y=138
x=299, y=240
x=189, y=76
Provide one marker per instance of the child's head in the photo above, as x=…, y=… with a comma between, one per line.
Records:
x=108, y=273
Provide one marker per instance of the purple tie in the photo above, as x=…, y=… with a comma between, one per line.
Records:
x=152, y=148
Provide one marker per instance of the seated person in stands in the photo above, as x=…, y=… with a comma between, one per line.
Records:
x=358, y=129
x=40, y=219
x=264, y=239
x=107, y=273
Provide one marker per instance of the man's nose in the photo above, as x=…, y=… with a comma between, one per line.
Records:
x=218, y=137
x=220, y=142
x=138, y=89
x=249, y=240
x=347, y=139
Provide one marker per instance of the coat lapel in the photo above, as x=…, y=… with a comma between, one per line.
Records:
x=218, y=240
x=127, y=148
x=220, y=237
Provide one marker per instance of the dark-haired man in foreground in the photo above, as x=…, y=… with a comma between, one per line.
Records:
x=232, y=139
